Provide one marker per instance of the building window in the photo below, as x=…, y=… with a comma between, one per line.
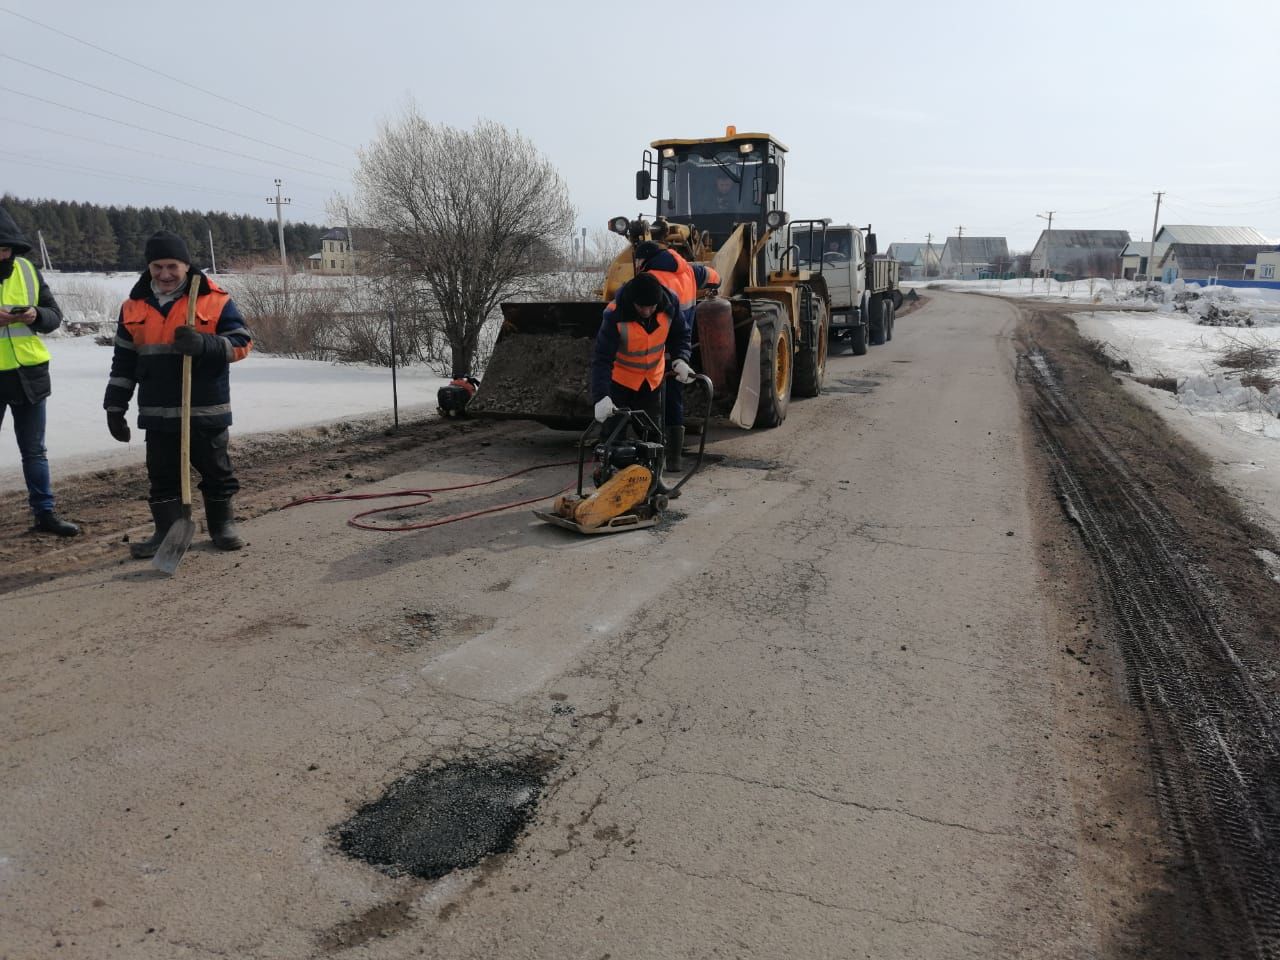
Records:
x=333, y=264
x=1268, y=271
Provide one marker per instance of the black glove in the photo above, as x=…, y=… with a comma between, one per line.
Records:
x=187, y=340
x=119, y=427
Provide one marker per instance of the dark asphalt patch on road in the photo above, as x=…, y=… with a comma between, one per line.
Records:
x=851, y=386
x=439, y=820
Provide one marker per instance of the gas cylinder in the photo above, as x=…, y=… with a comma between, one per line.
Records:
x=713, y=321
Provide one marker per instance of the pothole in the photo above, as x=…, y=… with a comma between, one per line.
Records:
x=746, y=463
x=438, y=820
x=851, y=386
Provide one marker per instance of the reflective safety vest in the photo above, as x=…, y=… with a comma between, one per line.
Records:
x=641, y=356
x=682, y=282
x=19, y=345
x=149, y=327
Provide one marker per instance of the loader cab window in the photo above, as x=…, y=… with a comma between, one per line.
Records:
x=723, y=182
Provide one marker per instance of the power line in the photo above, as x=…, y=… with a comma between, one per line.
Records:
x=172, y=113
x=121, y=146
x=161, y=133
x=1243, y=203
x=143, y=66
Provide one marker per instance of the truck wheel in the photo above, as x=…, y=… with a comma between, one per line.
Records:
x=858, y=339
x=890, y=315
x=875, y=321
x=776, y=370
x=811, y=362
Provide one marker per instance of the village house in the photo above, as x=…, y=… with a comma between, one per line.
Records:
x=916, y=260
x=1079, y=253
x=1208, y=253
x=335, y=257
x=972, y=258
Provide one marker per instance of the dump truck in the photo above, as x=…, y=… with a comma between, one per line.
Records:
x=761, y=337
x=864, y=289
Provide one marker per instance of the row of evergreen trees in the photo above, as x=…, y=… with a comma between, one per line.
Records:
x=85, y=236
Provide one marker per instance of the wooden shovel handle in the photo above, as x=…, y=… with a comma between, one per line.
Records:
x=184, y=456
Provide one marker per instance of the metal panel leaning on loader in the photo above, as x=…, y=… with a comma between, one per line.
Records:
x=761, y=338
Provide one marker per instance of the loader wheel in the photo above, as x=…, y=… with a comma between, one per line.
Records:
x=876, y=321
x=775, y=371
x=811, y=362
x=858, y=339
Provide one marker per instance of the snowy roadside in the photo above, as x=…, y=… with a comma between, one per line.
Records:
x=268, y=394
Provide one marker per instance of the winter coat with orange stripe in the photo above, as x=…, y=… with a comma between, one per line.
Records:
x=145, y=357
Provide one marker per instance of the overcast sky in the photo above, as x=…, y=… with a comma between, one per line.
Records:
x=915, y=117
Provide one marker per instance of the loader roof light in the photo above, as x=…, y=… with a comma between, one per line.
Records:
x=775, y=219
x=746, y=147
x=619, y=225
x=668, y=152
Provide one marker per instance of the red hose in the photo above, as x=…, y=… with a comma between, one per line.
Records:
x=425, y=495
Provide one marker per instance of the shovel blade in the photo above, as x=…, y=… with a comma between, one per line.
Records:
x=174, y=546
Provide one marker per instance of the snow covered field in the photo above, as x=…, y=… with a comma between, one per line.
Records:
x=268, y=394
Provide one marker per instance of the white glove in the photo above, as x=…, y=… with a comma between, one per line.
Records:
x=683, y=372
x=604, y=408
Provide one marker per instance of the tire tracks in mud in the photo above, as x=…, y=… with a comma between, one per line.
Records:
x=1197, y=667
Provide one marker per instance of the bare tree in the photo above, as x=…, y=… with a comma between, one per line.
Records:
x=472, y=215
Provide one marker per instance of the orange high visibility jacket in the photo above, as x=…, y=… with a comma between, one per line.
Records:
x=641, y=356
x=681, y=277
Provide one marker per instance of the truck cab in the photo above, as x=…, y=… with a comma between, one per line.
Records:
x=863, y=289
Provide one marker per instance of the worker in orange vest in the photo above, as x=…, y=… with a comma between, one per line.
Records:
x=683, y=279
x=642, y=327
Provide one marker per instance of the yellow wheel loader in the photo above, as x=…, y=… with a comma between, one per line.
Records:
x=761, y=337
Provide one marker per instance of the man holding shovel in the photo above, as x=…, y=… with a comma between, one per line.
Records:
x=152, y=338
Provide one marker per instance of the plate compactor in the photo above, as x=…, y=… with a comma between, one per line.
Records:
x=629, y=454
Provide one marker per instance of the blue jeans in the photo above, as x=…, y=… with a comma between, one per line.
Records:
x=28, y=424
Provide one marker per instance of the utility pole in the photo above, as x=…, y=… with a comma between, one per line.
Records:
x=284, y=261
x=928, y=253
x=1151, y=257
x=44, y=253
x=1047, y=216
x=960, y=249
x=213, y=261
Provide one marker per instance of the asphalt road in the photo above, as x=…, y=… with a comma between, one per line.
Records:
x=811, y=716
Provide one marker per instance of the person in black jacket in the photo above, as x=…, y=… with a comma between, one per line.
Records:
x=151, y=340
x=27, y=308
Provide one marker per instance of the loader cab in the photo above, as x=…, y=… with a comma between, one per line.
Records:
x=716, y=183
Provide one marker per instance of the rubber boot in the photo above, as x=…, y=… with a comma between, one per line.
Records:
x=220, y=515
x=49, y=522
x=675, y=449
x=165, y=513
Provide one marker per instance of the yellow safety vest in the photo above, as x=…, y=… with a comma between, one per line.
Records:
x=19, y=345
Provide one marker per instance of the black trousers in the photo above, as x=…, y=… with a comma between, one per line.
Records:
x=209, y=456
x=646, y=398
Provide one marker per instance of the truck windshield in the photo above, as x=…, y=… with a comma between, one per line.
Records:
x=835, y=248
x=727, y=182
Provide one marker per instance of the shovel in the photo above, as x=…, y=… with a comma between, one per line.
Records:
x=174, y=546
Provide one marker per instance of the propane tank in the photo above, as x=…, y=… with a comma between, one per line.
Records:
x=713, y=321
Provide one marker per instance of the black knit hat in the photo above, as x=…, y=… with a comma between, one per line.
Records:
x=644, y=290
x=11, y=236
x=165, y=245
x=647, y=251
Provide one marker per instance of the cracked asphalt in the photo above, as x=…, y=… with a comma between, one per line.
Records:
x=819, y=715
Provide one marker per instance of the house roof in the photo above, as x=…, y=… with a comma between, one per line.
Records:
x=1142, y=248
x=976, y=250
x=337, y=233
x=911, y=252
x=1210, y=256
x=1190, y=233
x=316, y=256
x=1082, y=240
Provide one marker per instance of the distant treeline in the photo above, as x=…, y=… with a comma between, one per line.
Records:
x=85, y=236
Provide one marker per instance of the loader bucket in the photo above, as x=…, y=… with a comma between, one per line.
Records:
x=540, y=365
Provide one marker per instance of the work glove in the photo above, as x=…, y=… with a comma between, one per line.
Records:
x=119, y=427
x=604, y=409
x=683, y=372
x=187, y=340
